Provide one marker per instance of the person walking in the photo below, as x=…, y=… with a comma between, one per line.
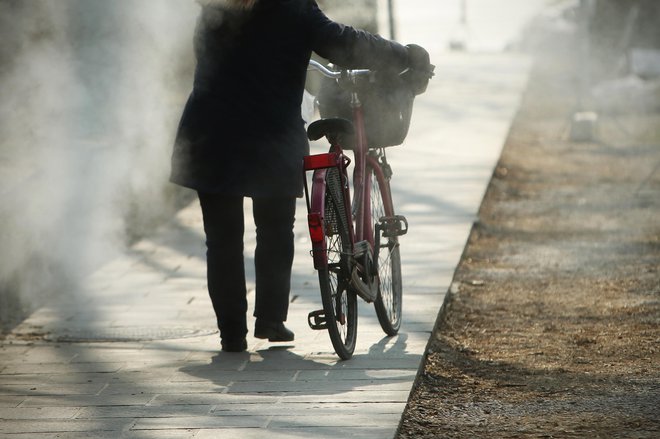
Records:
x=241, y=135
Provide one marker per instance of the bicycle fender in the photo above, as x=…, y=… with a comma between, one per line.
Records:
x=315, y=220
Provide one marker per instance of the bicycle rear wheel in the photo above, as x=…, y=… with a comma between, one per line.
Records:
x=339, y=301
x=388, y=303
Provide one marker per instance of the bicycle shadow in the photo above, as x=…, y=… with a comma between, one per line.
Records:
x=280, y=371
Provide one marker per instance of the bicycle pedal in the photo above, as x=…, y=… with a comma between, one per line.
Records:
x=396, y=225
x=361, y=248
x=317, y=320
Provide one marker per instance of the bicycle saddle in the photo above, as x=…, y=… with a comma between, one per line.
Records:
x=330, y=127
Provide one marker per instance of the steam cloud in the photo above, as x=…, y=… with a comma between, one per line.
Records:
x=91, y=93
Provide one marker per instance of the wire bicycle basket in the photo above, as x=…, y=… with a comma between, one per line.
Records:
x=387, y=103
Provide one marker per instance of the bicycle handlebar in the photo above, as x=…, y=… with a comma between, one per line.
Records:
x=336, y=74
x=346, y=73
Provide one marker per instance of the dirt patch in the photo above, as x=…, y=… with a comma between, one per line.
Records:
x=552, y=324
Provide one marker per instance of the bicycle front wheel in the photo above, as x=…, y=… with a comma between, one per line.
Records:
x=339, y=301
x=388, y=302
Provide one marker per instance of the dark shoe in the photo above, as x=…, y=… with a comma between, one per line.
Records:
x=239, y=345
x=273, y=331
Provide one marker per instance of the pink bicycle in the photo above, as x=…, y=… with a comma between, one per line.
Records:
x=355, y=242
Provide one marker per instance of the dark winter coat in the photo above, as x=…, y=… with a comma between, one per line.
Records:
x=241, y=132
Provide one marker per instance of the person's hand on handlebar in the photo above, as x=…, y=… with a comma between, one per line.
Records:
x=421, y=69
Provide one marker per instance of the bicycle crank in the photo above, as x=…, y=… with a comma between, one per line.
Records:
x=367, y=290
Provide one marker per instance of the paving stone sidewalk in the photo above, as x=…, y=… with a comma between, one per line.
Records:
x=134, y=352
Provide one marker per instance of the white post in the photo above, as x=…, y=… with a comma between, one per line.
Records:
x=390, y=14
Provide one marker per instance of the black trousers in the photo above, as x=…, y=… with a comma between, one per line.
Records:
x=224, y=228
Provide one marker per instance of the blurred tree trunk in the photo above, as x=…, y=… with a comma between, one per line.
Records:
x=620, y=25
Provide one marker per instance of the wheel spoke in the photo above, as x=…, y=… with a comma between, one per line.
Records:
x=388, y=303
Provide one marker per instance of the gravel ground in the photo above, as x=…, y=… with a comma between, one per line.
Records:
x=551, y=327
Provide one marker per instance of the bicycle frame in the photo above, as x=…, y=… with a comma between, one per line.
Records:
x=361, y=228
